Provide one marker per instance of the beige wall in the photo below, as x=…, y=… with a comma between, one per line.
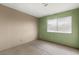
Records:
x=16, y=28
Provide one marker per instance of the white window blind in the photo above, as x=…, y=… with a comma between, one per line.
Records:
x=61, y=25
x=52, y=25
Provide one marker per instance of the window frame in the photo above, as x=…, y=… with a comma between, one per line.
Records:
x=57, y=30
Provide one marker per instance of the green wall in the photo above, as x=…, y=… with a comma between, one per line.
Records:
x=62, y=38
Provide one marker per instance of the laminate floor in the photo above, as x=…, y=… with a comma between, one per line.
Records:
x=39, y=47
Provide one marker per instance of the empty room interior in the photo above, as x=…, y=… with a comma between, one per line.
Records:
x=39, y=28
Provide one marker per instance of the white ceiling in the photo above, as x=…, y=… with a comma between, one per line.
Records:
x=39, y=10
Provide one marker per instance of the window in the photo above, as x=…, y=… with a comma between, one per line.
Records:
x=52, y=25
x=61, y=25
